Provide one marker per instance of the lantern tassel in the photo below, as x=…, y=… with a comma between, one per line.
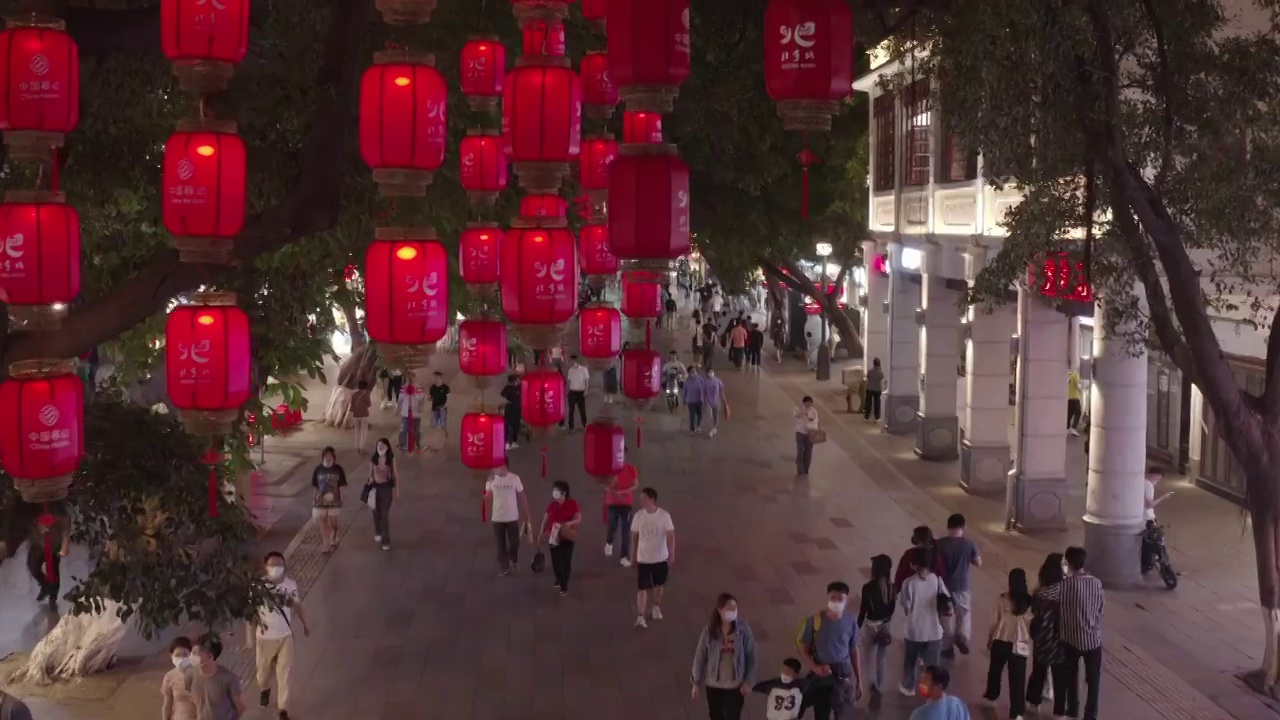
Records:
x=211, y=459
x=807, y=160
x=544, y=461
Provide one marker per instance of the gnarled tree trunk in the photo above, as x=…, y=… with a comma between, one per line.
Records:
x=360, y=365
x=78, y=645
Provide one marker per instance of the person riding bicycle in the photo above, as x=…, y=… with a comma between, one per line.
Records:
x=674, y=369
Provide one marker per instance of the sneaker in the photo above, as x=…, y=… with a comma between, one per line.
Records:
x=264, y=698
x=963, y=646
x=712, y=433
x=625, y=562
x=608, y=549
x=948, y=654
x=908, y=692
x=504, y=572
x=515, y=445
x=657, y=613
x=284, y=715
x=640, y=623
x=509, y=446
x=1073, y=432
x=386, y=546
x=377, y=538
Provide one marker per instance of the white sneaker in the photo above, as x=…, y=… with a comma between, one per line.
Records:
x=906, y=691
x=657, y=613
x=625, y=562
x=509, y=446
x=1074, y=432
x=515, y=445
x=640, y=623
x=608, y=550
x=377, y=538
x=712, y=433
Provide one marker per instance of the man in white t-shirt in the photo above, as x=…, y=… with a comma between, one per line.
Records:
x=653, y=552
x=273, y=644
x=1149, y=500
x=577, y=379
x=507, y=507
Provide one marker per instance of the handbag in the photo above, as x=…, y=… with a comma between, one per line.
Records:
x=818, y=436
x=366, y=492
x=944, y=600
x=539, y=562
x=568, y=533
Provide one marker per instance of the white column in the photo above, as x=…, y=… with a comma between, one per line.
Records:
x=1114, y=498
x=902, y=398
x=875, y=315
x=1038, y=484
x=984, y=452
x=937, y=424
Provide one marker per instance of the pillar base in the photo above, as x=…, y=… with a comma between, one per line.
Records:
x=1040, y=503
x=900, y=414
x=936, y=437
x=984, y=468
x=1115, y=553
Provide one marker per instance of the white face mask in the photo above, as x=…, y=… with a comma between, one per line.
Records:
x=558, y=495
x=183, y=662
x=786, y=679
x=195, y=661
x=328, y=462
x=835, y=606
x=275, y=572
x=729, y=615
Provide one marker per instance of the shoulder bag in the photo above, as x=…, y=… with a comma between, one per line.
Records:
x=944, y=600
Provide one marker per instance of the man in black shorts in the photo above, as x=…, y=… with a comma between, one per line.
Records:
x=653, y=552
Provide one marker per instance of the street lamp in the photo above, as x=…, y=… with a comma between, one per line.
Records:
x=823, y=250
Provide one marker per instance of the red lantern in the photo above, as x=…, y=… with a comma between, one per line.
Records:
x=600, y=333
x=598, y=153
x=543, y=38
x=204, y=189
x=542, y=121
x=539, y=283
x=208, y=367
x=598, y=90
x=604, y=449
x=406, y=297
x=483, y=441
x=544, y=206
x=542, y=398
x=42, y=439
x=484, y=64
x=649, y=207
x=478, y=250
x=40, y=72
x=642, y=128
x=640, y=300
x=402, y=121
x=641, y=374
x=808, y=60
x=594, y=12
x=204, y=40
x=483, y=166
x=482, y=348
x=39, y=256
x=597, y=258
x=649, y=51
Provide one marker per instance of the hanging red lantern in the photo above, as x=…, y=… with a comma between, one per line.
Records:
x=542, y=398
x=42, y=438
x=641, y=128
x=39, y=256
x=541, y=37
x=204, y=189
x=649, y=52
x=544, y=10
x=597, y=258
x=483, y=439
x=539, y=283
x=406, y=12
x=641, y=299
x=544, y=206
x=542, y=121
x=478, y=250
x=598, y=153
x=406, y=296
x=204, y=40
x=208, y=366
x=593, y=11
x=483, y=167
x=641, y=374
x=403, y=117
x=600, y=334
x=604, y=449
x=649, y=208
x=598, y=91
x=808, y=60
x=482, y=349
x=40, y=72
x=483, y=66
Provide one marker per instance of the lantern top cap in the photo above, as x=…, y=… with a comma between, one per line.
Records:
x=483, y=225
x=547, y=61
x=524, y=222
x=484, y=38
x=648, y=149
x=483, y=132
x=35, y=197
x=603, y=135
x=427, y=233
x=214, y=125
x=599, y=305
x=213, y=299
x=41, y=368
x=403, y=56
x=34, y=20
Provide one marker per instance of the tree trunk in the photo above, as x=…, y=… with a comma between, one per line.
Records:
x=354, y=331
x=78, y=645
x=360, y=365
x=1266, y=543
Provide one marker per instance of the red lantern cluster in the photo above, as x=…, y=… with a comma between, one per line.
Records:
x=641, y=300
x=208, y=366
x=205, y=40
x=205, y=178
x=541, y=37
x=604, y=449
x=641, y=374
x=483, y=66
x=42, y=438
x=406, y=277
x=649, y=207
x=482, y=347
x=808, y=60
x=597, y=258
x=544, y=206
x=600, y=333
x=483, y=441
x=542, y=398
x=39, y=255
x=649, y=51
x=40, y=72
x=641, y=128
x=598, y=153
x=542, y=121
x=478, y=255
x=403, y=122
x=598, y=90
x=483, y=167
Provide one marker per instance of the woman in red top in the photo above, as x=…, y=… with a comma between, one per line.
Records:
x=921, y=537
x=560, y=528
x=618, y=501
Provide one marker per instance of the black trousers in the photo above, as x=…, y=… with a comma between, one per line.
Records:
x=1073, y=413
x=577, y=401
x=1036, y=683
x=512, y=423
x=507, y=537
x=1002, y=657
x=562, y=563
x=35, y=566
x=871, y=404
x=1092, y=679
x=753, y=356
x=724, y=704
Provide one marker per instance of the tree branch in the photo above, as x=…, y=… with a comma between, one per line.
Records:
x=1166, y=87
x=312, y=207
x=777, y=274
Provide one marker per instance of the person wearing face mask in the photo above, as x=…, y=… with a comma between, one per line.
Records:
x=724, y=661
x=214, y=689
x=712, y=399
x=788, y=695
x=383, y=485
x=178, y=704
x=273, y=644
x=560, y=528
x=828, y=642
x=923, y=606
x=328, y=479
x=938, y=704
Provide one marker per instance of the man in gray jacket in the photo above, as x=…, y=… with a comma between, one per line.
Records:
x=875, y=386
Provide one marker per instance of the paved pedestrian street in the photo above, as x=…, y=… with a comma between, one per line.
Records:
x=430, y=630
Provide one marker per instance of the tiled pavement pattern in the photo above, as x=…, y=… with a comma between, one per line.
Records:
x=430, y=630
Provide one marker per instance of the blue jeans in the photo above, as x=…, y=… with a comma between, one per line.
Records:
x=930, y=652
x=440, y=417
x=620, y=521
x=695, y=415
x=417, y=432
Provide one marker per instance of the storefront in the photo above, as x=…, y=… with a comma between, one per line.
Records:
x=1212, y=466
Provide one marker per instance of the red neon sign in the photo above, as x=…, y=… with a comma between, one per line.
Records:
x=1061, y=278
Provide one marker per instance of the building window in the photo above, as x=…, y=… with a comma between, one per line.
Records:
x=956, y=164
x=917, y=126
x=883, y=170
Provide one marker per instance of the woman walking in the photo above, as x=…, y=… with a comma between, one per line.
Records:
x=328, y=479
x=921, y=537
x=1046, y=654
x=177, y=702
x=382, y=486
x=724, y=661
x=1009, y=643
x=560, y=528
x=874, y=614
x=924, y=606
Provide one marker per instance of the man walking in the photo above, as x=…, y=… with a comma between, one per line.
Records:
x=273, y=644
x=1080, y=605
x=507, y=507
x=957, y=553
x=653, y=552
x=215, y=690
x=871, y=398
x=828, y=642
x=439, y=394
x=511, y=412
x=755, y=346
x=577, y=379
x=692, y=396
